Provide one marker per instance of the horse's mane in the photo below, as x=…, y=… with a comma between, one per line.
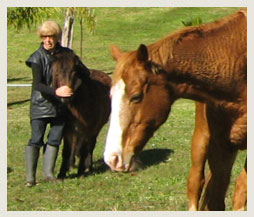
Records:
x=162, y=50
x=123, y=64
x=63, y=60
x=66, y=60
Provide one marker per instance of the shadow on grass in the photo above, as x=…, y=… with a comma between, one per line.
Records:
x=17, y=102
x=153, y=157
x=23, y=79
x=147, y=158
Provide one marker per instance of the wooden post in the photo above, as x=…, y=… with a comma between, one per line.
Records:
x=67, y=35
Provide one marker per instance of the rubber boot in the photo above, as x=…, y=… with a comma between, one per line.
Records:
x=32, y=155
x=49, y=162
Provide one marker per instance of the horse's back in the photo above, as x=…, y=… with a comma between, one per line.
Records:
x=101, y=77
x=99, y=98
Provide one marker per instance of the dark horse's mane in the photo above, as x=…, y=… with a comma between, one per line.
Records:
x=68, y=59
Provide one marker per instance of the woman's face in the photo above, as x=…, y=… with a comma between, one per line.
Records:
x=49, y=42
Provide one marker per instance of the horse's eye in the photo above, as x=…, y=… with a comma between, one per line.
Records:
x=136, y=98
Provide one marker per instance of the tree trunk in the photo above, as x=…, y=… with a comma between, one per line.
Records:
x=67, y=35
x=81, y=37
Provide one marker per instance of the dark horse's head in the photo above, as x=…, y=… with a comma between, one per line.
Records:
x=67, y=69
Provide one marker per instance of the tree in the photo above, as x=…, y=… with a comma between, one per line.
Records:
x=83, y=15
x=67, y=35
x=20, y=17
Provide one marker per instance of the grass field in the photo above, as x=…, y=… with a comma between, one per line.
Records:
x=161, y=183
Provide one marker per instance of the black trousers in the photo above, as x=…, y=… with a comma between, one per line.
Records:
x=55, y=134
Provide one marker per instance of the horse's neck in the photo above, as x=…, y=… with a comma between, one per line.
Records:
x=189, y=91
x=203, y=69
x=77, y=106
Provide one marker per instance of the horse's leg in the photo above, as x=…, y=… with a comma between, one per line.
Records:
x=221, y=160
x=65, y=158
x=240, y=194
x=89, y=159
x=74, y=148
x=238, y=133
x=200, y=141
x=86, y=157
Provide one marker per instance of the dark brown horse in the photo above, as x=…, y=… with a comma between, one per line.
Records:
x=89, y=109
x=207, y=63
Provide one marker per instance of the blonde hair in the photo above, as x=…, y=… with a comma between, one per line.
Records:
x=50, y=28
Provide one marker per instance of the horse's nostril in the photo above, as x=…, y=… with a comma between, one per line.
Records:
x=116, y=163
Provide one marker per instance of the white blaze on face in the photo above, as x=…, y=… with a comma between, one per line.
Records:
x=113, y=147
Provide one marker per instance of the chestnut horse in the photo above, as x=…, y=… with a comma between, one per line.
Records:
x=206, y=63
x=89, y=109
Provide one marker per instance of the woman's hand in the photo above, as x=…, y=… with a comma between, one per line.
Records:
x=64, y=91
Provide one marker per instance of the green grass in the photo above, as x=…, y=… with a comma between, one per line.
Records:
x=161, y=183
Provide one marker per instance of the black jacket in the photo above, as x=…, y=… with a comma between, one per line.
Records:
x=43, y=105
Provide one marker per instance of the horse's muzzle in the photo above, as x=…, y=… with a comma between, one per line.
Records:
x=116, y=163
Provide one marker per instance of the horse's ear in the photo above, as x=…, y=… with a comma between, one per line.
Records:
x=83, y=70
x=116, y=52
x=142, y=53
x=76, y=59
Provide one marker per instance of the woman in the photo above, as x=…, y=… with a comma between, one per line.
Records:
x=45, y=107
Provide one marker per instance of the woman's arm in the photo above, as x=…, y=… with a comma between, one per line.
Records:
x=38, y=81
x=63, y=91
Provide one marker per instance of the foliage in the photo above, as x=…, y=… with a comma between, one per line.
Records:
x=20, y=17
x=192, y=21
x=86, y=15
